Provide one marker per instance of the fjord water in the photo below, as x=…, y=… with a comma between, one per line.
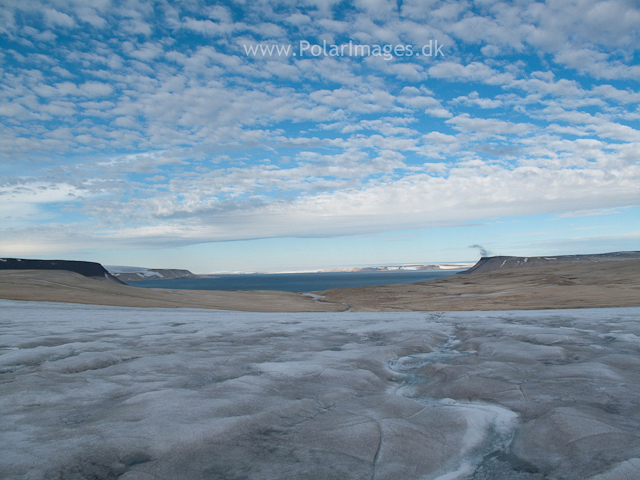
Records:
x=297, y=282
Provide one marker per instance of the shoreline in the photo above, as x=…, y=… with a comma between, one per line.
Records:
x=68, y=287
x=566, y=286
x=563, y=286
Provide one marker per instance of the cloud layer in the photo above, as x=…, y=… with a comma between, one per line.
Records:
x=130, y=124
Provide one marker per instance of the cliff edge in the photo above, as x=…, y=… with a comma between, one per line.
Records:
x=88, y=269
x=492, y=264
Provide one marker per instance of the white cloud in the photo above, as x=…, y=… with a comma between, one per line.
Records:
x=238, y=146
x=441, y=138
x=357, y=101
x=489, y=126
x=210, y=28
x=56, y=18
x=474, y=99
x=412, y=202
x=590, y=213
x=27, y=199
x=471, y=72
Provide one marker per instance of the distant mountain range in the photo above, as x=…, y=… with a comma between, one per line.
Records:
x=405, y=268
x=133, y=274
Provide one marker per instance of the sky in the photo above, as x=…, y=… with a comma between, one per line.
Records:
x=267, y=135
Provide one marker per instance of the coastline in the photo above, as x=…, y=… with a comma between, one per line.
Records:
x=69, y=287
x=563, y=286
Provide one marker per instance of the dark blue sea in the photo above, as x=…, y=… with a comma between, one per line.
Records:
x=297, y=282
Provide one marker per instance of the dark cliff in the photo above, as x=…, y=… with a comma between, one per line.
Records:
x=491, y=264
x=88, y=269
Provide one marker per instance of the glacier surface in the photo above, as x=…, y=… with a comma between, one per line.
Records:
x=93, y=392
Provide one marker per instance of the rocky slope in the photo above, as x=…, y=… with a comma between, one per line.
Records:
x=491, y=264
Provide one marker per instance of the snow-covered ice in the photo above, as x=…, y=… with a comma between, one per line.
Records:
x=92, y=392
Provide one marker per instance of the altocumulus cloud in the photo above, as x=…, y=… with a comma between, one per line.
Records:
x=147, y=124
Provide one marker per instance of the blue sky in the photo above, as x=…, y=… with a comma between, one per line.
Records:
x=148, y=133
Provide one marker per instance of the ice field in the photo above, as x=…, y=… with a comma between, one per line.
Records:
x=92, y=392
